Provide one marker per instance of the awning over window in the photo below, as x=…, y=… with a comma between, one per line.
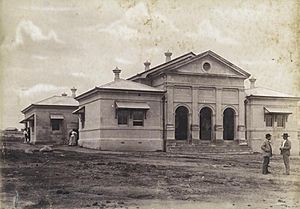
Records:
x=56, y=117
x=30, y=117
x=277, y=110
x=80, y=110
x=132, y=105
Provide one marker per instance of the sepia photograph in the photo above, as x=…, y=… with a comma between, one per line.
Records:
x=150, y=104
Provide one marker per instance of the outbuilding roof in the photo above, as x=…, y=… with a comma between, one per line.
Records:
x=264, y=92
x=54, y=101
x=58, y=100
x=121, y=84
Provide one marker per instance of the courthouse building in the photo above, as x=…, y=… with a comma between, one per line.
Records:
x=192, y=99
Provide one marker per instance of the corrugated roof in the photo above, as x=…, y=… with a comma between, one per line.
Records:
x=58, y=100
x=122, y=84
x=264, y=92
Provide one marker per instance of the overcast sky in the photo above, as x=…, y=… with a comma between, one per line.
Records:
x=47, y=47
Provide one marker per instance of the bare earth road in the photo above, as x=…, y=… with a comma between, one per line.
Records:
x=73, y=177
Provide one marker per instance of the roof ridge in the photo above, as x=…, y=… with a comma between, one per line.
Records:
x=44, y=99
x=162, y=64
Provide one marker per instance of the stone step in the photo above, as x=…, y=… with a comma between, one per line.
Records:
x=232, y=147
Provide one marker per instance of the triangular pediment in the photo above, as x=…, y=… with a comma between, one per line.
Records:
x=209, y=63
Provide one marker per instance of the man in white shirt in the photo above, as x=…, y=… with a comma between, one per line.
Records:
x=285, y=151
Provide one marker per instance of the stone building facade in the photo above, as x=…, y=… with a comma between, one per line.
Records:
x=204, y=97
x=51, y=120
x=268, y=111
x=121, y=115
x=192, y=99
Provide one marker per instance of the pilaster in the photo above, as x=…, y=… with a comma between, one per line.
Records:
x=219, y=115
x=195, y=115
x=241, y=119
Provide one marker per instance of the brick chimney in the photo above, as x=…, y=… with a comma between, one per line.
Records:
x=147, y=65
x=117, y=72
x=168, y=55
x=252, y=82
x=73, y=90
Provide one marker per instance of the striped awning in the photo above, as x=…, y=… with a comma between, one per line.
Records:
x=56, y=117
x=277, y=110
x=132, y=105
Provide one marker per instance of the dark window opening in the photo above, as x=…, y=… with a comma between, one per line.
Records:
x=82, y=119
x=138, y=118
x=269, y=120
x=122, y=117
x=55, y=125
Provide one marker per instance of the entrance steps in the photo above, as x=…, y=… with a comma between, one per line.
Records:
x=223, y=147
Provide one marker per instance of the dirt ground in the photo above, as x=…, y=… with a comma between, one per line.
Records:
x=74, y=177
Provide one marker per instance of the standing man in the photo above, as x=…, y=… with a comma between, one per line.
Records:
x=285, y=151
x=267, y=153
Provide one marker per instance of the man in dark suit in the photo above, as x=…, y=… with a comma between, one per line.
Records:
x=267, y=153
x=285, y=151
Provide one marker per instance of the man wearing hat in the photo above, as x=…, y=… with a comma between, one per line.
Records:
x=267, y=153
x=285, y=151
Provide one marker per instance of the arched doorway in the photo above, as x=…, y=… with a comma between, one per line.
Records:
x=205, y=123
x=181, y=123
x=228, y=124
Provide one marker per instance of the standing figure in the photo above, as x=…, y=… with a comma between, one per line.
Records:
x=73, y=137
x=267, y=153
x=285, y=151
x=25, y=135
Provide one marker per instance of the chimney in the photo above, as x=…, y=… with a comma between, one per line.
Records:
x=252, y=82
x=168, y=55
x=64, y=94
x=117, y=72
x=147, y=65
x=73, y=90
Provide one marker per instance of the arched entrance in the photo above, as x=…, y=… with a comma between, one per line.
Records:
x=228, y=124
x=181, y=123
x=205, y=123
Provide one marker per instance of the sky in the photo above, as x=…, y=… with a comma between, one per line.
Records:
x=47, y=47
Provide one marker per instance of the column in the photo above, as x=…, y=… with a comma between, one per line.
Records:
x=195, y=116
x=170, y=113
x=219, y=115
x=241, y=119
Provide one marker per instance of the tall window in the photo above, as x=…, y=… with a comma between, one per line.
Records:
x=138, y=118
x=123, y=117
x=280, y=119
x=269, y=120
x=55, y=124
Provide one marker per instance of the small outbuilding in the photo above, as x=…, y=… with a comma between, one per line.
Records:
x=51, y=120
